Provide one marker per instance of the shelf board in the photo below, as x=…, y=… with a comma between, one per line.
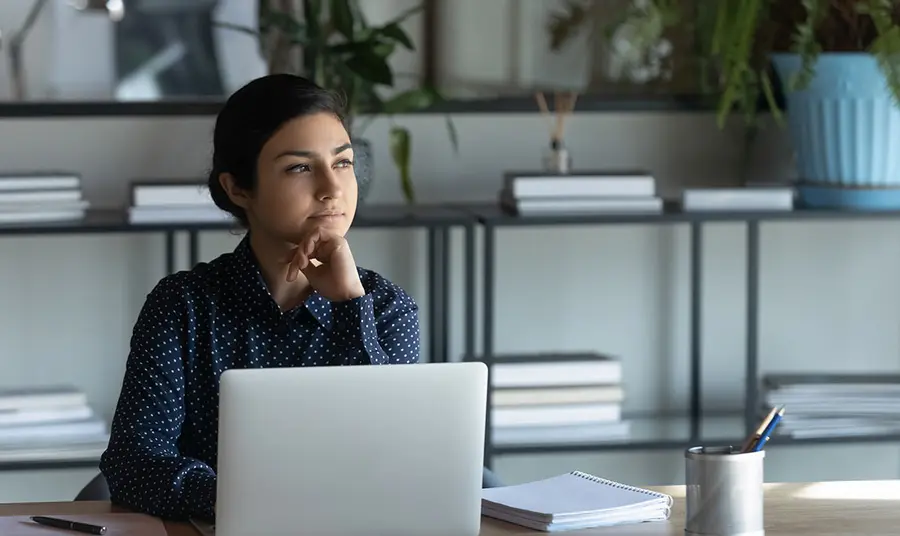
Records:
x=492, y=214
x=367, y=216
x=514, y=103
x=648, y=433
x=436, y=216
x=672, y=433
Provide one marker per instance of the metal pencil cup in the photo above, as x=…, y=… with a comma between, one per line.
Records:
x=724, y=492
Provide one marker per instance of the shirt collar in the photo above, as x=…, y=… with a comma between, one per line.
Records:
x=248, y=276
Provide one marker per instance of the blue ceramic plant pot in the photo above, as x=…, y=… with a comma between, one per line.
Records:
x=843, y=126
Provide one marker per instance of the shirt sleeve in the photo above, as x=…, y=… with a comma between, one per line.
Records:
x=383, y=323
x=142, y=464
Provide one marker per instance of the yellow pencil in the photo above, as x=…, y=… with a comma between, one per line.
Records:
x=759, y=431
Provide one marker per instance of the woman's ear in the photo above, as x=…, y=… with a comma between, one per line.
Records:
x=238, y=195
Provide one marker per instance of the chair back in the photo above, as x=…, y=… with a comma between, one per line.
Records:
x=95, y=490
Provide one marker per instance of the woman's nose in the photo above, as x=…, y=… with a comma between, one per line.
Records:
x=329, y=186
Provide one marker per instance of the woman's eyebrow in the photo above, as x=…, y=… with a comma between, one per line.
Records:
x=309, y=154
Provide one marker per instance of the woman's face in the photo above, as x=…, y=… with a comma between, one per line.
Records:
x=305, y=179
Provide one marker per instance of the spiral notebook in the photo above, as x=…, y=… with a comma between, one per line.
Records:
x=572, y=501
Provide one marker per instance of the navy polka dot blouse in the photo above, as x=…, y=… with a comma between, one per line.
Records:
x=195, y=324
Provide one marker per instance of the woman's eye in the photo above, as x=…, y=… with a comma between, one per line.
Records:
x=344, y=163
x=299, y=168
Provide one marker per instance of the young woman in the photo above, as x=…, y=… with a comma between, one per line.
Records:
x=289, y=295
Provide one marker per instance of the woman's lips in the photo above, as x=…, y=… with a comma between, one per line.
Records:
x=327, y=216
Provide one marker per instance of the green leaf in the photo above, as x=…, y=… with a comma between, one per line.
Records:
x=384, y=49
x=395, y=32
x=407, y=101
x=805, y=43
x=400, y=153
x=371, y=67
x=886, y=47
x=350, y=48
x=342, y=17
x=770, y=98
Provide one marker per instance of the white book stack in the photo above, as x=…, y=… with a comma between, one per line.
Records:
x=558, y=399
x=760, y=197
x=51, y=423
x=835, y=405
x=580, y=193
x=41, y=197
x=173, y=202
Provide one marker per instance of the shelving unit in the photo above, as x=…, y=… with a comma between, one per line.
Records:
x=664, y=432
x=651, y=432
x=436, y=220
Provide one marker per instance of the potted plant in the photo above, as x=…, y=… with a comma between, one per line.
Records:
x=333, y=44
x=836, y=63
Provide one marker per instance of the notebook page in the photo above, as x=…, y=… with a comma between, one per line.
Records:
x=569, y=495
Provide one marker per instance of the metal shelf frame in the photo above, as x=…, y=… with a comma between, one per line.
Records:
x=492, y=218
x=438, y=221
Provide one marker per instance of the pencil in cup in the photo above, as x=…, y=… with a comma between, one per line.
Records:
x=755, y=436
x=724, y=492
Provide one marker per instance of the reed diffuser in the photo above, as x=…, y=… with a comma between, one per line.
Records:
x=556, y=157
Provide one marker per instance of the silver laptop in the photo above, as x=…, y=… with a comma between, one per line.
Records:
x=355, y=450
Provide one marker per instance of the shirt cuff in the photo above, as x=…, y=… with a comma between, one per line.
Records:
x=200, y=494
x=353, y=322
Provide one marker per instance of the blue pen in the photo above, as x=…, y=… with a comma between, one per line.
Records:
x=764, y=438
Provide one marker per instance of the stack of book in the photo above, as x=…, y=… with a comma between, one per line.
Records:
x=557, y=399
x=581, y=193
x=41, y=197
x=171, y=202
x=835, y=405
x=755, y=197
x=49, y=424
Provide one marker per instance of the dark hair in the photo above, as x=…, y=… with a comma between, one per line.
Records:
x=250, y=117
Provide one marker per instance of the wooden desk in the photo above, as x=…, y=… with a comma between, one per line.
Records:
x=856, y=508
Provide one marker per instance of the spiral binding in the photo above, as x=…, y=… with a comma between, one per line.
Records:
x=619, y=485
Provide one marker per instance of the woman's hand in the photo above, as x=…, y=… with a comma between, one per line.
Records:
x=325, y=259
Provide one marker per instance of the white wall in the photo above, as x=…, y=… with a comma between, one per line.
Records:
x=828, y=296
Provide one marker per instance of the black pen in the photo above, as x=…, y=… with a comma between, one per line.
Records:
x=69, y=525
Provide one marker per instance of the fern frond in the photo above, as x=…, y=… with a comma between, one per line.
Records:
x=733, y=47
x=769, y=93
x=805, y=43
x=885, y=47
